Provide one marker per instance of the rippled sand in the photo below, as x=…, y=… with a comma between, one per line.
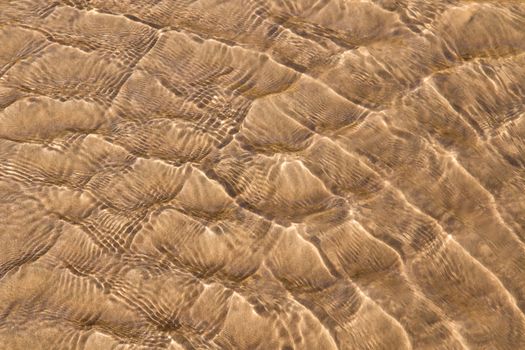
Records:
x=253, y=174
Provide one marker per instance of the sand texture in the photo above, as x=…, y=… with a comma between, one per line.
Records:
x=262, y=174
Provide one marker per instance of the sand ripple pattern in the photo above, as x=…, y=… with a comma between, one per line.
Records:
x=262, y=174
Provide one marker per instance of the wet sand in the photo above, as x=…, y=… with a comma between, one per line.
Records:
x=248, y=174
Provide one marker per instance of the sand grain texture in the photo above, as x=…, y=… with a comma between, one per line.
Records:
x=249, y=174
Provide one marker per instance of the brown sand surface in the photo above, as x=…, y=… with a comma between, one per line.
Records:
x=262, y=174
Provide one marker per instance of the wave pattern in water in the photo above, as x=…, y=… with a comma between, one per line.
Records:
x=249, y=174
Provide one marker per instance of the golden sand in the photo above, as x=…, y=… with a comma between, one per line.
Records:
x=262, y=174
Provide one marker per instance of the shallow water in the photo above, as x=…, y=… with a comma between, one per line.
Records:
x=248, y=174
